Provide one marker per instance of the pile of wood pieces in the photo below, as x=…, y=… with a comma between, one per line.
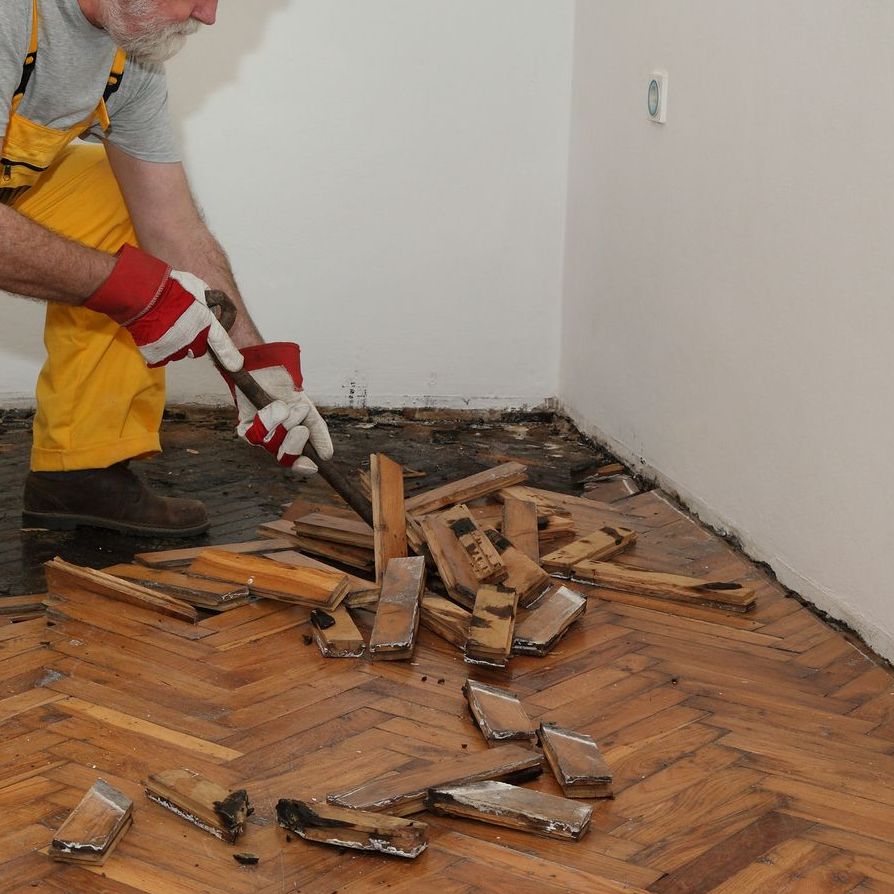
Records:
x=486, y=563
x=493, y=573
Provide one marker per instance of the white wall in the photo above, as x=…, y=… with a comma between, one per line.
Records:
x=389, y=180
x=729, y=300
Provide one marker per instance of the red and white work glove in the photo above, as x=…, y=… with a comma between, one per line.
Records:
x=164, y=310
x=283, y=427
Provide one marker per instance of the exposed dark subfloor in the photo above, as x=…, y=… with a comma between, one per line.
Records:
x=243, y=487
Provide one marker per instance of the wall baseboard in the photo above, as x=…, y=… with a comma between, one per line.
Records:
x=811, y=592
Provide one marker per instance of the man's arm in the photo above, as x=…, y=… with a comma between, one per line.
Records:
x=37, y=263
x=169, y=226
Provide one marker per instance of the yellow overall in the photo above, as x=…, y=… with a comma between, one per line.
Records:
x=97, y=401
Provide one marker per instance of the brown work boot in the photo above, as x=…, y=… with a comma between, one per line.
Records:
x=112, y=498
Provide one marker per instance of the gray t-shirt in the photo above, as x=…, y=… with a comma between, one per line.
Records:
x=73, y=63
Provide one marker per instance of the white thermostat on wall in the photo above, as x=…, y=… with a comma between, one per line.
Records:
x=657, y=97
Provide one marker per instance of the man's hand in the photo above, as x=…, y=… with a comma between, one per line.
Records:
x=285, y=426
x=164, y=310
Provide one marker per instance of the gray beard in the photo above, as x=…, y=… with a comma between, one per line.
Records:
x=131, y=25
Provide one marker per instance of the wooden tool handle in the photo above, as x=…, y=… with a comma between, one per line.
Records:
x=249, y=386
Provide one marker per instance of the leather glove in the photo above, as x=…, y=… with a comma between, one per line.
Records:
x=283, y=427
x=163, y=309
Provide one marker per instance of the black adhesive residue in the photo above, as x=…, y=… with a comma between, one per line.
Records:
x=321, y=620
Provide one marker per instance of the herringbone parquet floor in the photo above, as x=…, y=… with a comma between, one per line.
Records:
x=752, y=753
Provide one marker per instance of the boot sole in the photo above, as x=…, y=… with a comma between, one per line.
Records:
x=63, y=522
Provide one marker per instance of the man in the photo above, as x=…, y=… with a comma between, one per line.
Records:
x=71, y=216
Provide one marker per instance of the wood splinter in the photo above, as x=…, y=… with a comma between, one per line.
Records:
x=499, y=714
x=515, y=808
x=93, y=829
x=200, y=801
x=576, y=762
x=358, y=829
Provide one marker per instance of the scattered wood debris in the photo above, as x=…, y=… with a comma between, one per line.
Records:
x=546, y=621
x=487, y=566
x=389, y=514
x=357, y=557
x=600, y=545
x=715, y=594
x=94, y=828
x=265, y=577
x=492, y=627
x=177, y=558
x=21, y=608
x=352, y=532
x=397, y=616
x=359, y=829
x=524, y=575
x=516, y=808
x=336, y=633
x=499, y=714
x=361, y=592
x=213, y=595
x=62, y=574
x=576, y=762
x=451, y=560
x=405, y=792
x=471, y=488
x=447, y=619
x=520, y=526
x=201, y=802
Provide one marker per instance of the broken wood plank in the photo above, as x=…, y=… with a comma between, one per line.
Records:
x=22, y=608
x=201, y=801
x=523, y=575
x=553, y=528
x=175, y=558
x=62, y=575
x=397, y=616
x=546, y=621
x=576, y=762
x=358, y=829
x=512, y=807
x=333, y=528
x=546, y=506
x=352, y=556
x=311, y=587
x=499, y=714
x=445, y=618
x=279, y=529
x=727, y=595
x=201, y=591
x=520, y=526
x=360, y=592
x=404, y=793
x=487, y=566
x=94, y=827
x=492, y=626
x=389, y=515
x=336, y=633
x=607, y=541
x=451, y=560
x=480, y=485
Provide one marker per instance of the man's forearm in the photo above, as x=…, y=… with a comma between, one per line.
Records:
x=201, y=254
x=37, y=263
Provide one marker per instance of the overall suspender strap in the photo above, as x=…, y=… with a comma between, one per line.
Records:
x=30, y=60
x=116, y=75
